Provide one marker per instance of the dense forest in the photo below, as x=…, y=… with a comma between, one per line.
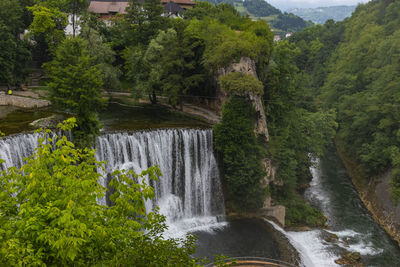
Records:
x=281, y=22
x=353, y=68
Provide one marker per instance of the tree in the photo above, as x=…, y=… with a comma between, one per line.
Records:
x=102, y=55
x=143, y=21
x=76, y=86
x=74, y=8
x=49, y=213
x=14, y=52
x=242, y=155
x=47, y=29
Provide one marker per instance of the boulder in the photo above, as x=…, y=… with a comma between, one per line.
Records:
x=47, y=123
x=350, y=259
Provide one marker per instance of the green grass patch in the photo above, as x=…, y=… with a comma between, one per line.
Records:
x=299, y=212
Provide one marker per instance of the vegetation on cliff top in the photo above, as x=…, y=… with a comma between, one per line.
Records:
x=240, y=84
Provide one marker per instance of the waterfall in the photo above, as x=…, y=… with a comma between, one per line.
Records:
x=14, y=149
x=188, y=193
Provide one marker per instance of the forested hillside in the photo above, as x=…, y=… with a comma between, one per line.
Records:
x=322, y=14
x=260, y=9
x=353, y=67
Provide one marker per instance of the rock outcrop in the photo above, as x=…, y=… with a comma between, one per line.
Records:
x=350, y=259
x=248, y=66
x=375, y=195
x=48, y=123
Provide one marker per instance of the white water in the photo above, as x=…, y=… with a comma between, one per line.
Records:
x=313, y=249
x=189, y=192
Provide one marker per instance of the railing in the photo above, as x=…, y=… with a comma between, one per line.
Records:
x=254, y=261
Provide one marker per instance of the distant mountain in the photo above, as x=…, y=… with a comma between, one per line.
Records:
x=260, y=9
x=322, y=14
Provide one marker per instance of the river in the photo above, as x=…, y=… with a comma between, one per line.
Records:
x=194, y=209
x=332, y=192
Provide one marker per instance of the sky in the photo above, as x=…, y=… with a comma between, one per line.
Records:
x=286, y=4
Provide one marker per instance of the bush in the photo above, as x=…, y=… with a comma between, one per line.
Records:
x=239, y=83
x=298, y=212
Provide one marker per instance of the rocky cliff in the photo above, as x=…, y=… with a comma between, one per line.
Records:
x=375, y=194
x=247, y=66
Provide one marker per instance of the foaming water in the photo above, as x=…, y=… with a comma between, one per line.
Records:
x=188, y=193
x=305, y=255
x=13, y=150
x=331, y=192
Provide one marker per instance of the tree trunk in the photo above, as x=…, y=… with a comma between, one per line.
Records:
x=153, y=98
x=73, y=25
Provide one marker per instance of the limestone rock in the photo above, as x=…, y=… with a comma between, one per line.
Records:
x=329, y=237
x=47, y=123
x=350, y=259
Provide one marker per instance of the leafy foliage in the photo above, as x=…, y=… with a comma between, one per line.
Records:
x=355, y=64
x=242, y=154
x=239, y=83
x=298, y=130
x=260, y=8
x=299, y=212
x=50, y=215
x=48, y=22
x=14, y=52
x=76, y=86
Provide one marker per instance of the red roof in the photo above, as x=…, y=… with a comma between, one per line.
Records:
x=101, y=7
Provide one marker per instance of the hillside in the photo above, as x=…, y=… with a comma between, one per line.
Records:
x=352, y=67
x=321, y=14
x=260, y=9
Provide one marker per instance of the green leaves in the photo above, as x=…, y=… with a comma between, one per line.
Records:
x=240, y=84
x=242, y=155
x=50, y=215
x=76, y=87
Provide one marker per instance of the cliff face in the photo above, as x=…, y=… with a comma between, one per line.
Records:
x=248, y=66
x=375, y=195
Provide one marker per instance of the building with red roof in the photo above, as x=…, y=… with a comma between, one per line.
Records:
x=105, y=8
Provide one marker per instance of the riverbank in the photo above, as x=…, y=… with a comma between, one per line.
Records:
x=26, y=100
x=374, y=193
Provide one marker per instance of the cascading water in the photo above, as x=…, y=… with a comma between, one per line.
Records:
x=13, y=150
x=332, y=192
x=189, y=192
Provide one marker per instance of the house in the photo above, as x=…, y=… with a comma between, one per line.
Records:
x=277, y=38
x=108, y=8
